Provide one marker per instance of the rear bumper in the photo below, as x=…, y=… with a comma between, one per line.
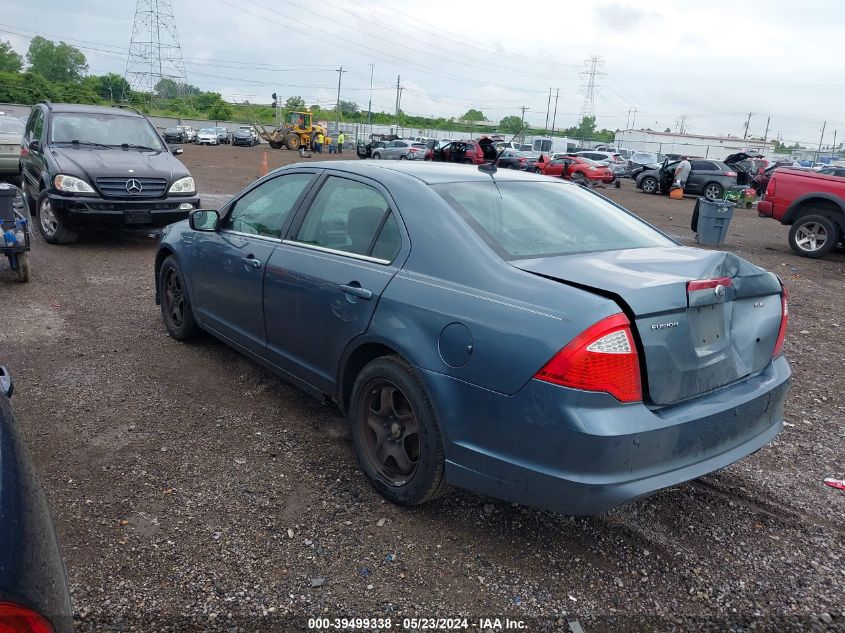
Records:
x=10, y=164
x=576, y=452
x=91, y=212
x=765, y=209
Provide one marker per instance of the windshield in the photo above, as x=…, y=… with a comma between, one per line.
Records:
x=11, y=126
x=208, y=130
x=538, y=219
x=103, y=129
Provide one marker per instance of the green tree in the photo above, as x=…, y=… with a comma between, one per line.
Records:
x=60, y=62
x=10, y=61
x=512, y=124
x=473, y=115
x=167, y=88
x=112, y=87
x=220, y=112
x=295, y=103
x=348, y=108
x=206, y=100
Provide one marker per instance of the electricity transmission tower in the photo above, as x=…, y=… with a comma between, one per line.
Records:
x=590, y=77
x=154, y=50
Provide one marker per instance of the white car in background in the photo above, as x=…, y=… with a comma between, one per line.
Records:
x=208, y=136
x=190, y=133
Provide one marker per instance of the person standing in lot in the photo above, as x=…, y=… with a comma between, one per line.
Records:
x=340, y=138
x=328, y=144
x=318, y=143
x=682, y=172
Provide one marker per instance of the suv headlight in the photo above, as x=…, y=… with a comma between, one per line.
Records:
x=71, y=184
x=183, y=185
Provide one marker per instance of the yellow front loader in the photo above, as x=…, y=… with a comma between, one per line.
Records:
x=298, y=131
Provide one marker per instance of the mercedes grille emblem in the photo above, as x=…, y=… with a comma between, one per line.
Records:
x=133, y=186
x=720, y=292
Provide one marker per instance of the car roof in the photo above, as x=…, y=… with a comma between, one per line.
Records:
x=91, y=109
x=429, y=172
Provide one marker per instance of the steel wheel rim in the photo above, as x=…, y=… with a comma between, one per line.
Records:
x=648, y=185
x=811, y=237
x=711, y=192
x=389, y=431
x=174, y=298
x=48, y=220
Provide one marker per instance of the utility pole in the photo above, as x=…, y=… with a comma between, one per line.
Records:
x=548, y=107
x=370, y=106
x=340, y=72
x=634, y=119
x=628, y=120
x=397, y=98
x=747, y=123
x=766, y=133
x=833, y=147
x=522, y=120
x=681, y=124
x=824, y=125
x=554, y=116
x=588, y=108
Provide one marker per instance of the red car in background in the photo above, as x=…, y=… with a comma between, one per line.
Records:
x=574, y=168
x=471, y=152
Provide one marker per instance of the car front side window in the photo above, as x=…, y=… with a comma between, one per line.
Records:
x=263, y=210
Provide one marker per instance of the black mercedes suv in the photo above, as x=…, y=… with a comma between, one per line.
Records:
x=87, y=166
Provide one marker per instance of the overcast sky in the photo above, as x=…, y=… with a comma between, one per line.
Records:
x=712, y=61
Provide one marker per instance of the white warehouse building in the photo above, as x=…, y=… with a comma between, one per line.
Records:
x=715, y=147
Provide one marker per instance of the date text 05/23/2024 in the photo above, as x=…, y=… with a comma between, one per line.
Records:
x=417, y=624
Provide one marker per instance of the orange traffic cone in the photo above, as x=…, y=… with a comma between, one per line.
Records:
x=265, y=168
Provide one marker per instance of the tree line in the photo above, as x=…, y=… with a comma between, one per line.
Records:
x=59, y=72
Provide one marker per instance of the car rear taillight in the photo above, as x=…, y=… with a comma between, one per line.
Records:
x=602, y=358
x=17, y=619
x=784, y=321
x=730, y=173
x=770, y=188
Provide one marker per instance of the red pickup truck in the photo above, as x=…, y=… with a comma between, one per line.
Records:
x=812, y=203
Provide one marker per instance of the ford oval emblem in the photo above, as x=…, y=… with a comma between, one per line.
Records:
x=720, y=292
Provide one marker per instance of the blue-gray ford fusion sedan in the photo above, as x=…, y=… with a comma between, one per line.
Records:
x=508, y=333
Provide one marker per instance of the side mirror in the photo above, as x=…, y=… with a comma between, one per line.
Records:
x=204, y=220
x=6, y=384
x=176, y=150
x=34, y=145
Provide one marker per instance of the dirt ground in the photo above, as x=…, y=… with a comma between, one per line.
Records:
x=192, y=490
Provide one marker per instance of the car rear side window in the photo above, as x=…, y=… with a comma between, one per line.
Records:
x=263, y=210
x=347, y=216
x=535, y=219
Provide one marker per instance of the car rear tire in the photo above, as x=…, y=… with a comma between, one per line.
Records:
x=713, y=191
x=649, y=184
x=395, y=433
x=52, y=226
x=813, y=236
x=176, y=312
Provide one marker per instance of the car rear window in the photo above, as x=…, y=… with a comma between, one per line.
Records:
x=537, y=219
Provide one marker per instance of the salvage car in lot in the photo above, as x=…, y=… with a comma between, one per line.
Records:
x=470, y=152
x=708, y=178
x=504, y=332
x=245, y=136
x=575, y=168
x=208, y=136
x=812, y=204
x=512, y=159
x=400, y=150
x=11, y=133
x=99, y=167
x=34, y=595
x=174, y=135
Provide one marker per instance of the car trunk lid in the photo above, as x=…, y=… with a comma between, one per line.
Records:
x=694, y=337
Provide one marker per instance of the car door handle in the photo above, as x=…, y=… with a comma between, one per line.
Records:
x=355, y=289
x=251, y=261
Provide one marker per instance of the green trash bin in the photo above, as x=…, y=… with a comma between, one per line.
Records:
x=714, y=218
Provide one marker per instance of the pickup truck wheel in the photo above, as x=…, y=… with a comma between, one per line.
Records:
x=52, y=226
x=176, y=312
x=395, y=433
x=813, y=236
x=649, y=184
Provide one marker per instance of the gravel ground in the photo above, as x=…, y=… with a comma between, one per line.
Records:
x=192, y=490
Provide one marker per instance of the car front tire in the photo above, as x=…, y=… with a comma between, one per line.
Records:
x=395, y=433
x=649, y=184
x=713, y=191
x=52, y=226
x=176, y=312
x=813, y=236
